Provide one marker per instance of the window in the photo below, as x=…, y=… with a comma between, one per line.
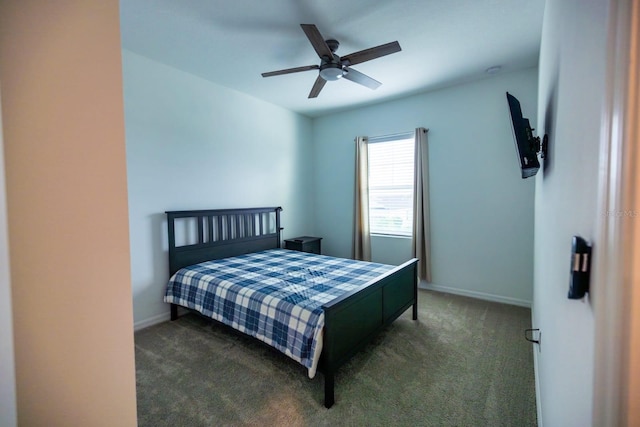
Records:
x=391, y=163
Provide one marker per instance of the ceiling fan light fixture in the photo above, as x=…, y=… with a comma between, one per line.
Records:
x=331, y=72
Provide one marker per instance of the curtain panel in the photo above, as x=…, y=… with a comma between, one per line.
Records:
x=361, y=234
x=421, y=239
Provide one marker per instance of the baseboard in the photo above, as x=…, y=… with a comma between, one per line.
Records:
x=536, y=350
x=475, y=294
x=537, y=379
x=151, y=321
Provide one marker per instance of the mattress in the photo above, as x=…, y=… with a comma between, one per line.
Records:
x=275, y=295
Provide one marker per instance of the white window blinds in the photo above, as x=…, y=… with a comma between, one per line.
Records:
x=391, y=165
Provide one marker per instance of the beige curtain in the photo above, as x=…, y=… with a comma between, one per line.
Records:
x=361, y=235
x=420, y=245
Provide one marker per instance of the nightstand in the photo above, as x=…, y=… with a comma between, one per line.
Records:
x=304, y=244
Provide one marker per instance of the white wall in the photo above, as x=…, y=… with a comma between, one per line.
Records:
x=481, y=210
x=8, y=415
x=192, y=144
x=571, y=93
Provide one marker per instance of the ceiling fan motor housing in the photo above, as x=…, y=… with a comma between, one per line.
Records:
x=333, y=44
x=331, y=69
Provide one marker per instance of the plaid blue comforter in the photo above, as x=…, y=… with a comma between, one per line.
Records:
x=274, y=295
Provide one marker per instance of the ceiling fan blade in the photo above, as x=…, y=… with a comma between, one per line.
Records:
x=317, y=41
x=317, y=87
x=358, y=77
x=291, y=70
x=371, y=53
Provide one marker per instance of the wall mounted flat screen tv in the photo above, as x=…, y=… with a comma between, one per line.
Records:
x=527, y=146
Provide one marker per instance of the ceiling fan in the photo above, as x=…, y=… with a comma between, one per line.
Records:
x=334, y=67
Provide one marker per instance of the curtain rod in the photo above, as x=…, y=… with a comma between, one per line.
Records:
x=392, y=136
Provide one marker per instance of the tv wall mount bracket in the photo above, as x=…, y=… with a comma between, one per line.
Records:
x=540, y=147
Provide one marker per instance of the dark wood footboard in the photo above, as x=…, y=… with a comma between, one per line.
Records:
x=354, y=319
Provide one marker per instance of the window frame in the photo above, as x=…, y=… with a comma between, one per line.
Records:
x=386, y=139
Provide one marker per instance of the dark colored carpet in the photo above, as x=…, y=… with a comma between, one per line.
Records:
x=465, y=362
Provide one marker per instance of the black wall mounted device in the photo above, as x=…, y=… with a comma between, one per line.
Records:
x=580, y=268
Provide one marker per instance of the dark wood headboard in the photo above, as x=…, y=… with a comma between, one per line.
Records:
x=204, y=235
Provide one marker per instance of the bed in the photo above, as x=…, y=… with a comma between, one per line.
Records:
x=228, y=264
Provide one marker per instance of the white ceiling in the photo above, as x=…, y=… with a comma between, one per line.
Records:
x=231, y=42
